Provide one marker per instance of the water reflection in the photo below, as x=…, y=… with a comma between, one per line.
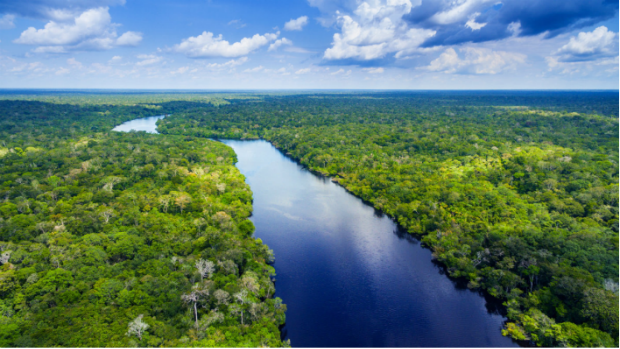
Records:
x=148, y=124
x=349, y=275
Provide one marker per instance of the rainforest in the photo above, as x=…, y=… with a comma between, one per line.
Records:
x=139, y=239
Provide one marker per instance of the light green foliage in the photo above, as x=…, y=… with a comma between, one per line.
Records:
x=94, y=257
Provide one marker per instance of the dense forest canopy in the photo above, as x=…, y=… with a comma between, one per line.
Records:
x=515, y=192
x=112, y=239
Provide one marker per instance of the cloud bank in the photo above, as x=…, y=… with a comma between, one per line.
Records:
x=475, y=61
x=207, y=45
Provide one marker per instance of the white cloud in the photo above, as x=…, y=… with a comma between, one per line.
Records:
x=6, y=22
x=278, y=43
x=56, y=10
x=115, y=59
x=62, y=71
x=374, y=70
x=376, y=29
x=206, y=45
x=281, y=71
x=587, y=46
x=514, y=28
x=613, y=61
x=303, y=71
x=472, y=24
x=74, y=63
x=475, y=61
x=458, y=11
x=91, y=30
x=34, y=67
x=296, y=24
x=181, y=70
x=237, y=23
x=294, y=49
x=91, y=23
x=254, y=70
x=148, y=59
x=341, y=71
x=129, y=39
x=230, y=64
x=49, y=49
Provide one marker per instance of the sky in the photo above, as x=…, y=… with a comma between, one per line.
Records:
x=309, y=44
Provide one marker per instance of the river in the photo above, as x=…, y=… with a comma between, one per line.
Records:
x=349, y=276
x=148, y=124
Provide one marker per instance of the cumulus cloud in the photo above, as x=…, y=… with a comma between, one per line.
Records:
x=129, y=39
x=91, y=30
x=375, y=30
x=208, y=45
x=475, y=61
x=278, y=43
x=587, y=52
x=6, y=21
x=374, y=70
x=588, y=46
x=91, y=23
x=296, y=24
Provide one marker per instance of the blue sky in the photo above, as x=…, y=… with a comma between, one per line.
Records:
x=309, y=44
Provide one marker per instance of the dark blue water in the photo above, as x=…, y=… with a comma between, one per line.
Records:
x=348, y=276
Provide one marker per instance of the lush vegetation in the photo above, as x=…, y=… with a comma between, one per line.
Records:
x=520, y=201
x=138, y=239
x=112, y=239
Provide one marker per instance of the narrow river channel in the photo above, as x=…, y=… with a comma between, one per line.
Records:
x=349, y=277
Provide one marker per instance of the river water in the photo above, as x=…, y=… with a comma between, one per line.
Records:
x=349, y=276
x=148, y=124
